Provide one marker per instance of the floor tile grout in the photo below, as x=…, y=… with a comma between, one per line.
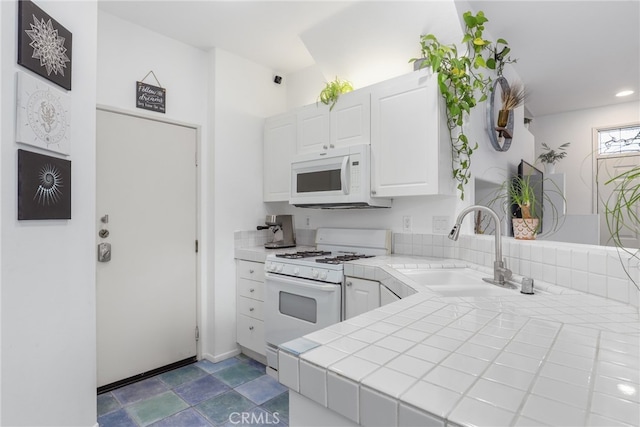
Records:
x=233, y=392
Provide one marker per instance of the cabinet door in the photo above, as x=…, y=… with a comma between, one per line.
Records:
x=360, y=296
x=406, y=137
x=351, y=119
x=313, y=128
x=279, y=149
x=386, y=296
x=250, y=334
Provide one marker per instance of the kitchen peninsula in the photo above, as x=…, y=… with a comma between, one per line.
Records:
x=559, y=357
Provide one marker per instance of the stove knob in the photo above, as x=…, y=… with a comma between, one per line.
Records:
x=315, y=274
x=323, y=275
x=296, y=271
x=271, y=266
x=279, y=268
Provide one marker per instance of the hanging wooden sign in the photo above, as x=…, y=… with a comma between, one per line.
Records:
x=150, y=97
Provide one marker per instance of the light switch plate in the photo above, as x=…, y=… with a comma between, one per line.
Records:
x=406, y=223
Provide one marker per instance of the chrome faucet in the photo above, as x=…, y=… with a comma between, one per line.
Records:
x=501, y=274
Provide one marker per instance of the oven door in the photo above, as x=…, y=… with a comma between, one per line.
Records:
x=295, y=307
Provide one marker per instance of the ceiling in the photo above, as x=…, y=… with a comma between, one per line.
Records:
x=571, y=55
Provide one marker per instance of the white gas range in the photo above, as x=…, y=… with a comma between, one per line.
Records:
x=303, y=290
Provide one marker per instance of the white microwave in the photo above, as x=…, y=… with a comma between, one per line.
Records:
x=338, y=178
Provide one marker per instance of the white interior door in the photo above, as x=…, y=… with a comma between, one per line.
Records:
x=146, y=293
x=609, y=168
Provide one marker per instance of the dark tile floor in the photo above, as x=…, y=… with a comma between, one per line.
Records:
x=233, y=393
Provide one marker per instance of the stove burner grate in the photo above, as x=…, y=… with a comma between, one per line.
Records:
x=302, y=254
x=342, y=258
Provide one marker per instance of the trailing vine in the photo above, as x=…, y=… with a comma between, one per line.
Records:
x=460, y=77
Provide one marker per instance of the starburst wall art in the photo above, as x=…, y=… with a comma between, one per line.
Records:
x=44, y=186
x=44, y=46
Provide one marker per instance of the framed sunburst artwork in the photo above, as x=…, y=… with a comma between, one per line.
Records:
x=44, y=186
x=43, y=117
x=44, y=46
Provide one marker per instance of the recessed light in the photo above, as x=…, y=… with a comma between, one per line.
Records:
x=624, y=93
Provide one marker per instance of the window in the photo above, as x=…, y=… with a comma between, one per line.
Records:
x=621, y=140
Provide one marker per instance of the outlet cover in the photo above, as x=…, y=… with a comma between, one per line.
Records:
x=441, y=224
x=406, y=223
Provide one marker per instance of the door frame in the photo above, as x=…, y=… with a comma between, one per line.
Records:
x=199, y=311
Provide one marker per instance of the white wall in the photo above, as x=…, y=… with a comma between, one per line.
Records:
x=48, y=267
x=577, y=127
x=228, y=97
x=244, y=95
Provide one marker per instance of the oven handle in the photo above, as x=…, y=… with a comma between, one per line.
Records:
x=302, y=283
x=344, y=181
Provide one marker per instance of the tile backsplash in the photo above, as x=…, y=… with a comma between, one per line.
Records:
x=591, y=269
x=249, y=238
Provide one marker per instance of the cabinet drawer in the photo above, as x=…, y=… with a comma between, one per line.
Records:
x=250, y=333
x=251, y=270
x=251, y=289
x=250, y=307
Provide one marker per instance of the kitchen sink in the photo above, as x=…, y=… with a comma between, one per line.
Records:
x=456, y=282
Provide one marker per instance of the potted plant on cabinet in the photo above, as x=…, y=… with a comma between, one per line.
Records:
x=333, y=90
x=550, y=157
x=462, y=83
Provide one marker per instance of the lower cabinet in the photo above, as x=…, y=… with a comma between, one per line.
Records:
x=250, y=297
x=360, y=296
x=387, y=296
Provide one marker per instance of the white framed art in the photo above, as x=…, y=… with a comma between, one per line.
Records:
x=43, y=115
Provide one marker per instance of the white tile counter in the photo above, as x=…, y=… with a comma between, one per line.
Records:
x=560, y=358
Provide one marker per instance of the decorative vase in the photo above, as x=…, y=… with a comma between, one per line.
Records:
x=525, y=228
x=550, y=168
x=503, y=118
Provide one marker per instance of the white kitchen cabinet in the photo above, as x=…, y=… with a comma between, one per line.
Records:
x=410, y=149
x=387, y=296
x=360, y=296
x=279, y=148
x=350, y=119
x=348, y=123
x=313, y=128
x=250, y=301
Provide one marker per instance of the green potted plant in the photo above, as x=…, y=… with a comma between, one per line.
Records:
x=621, y=213
x=551, y=156
x=333, y=90
x=462, y=83
x=526, y=192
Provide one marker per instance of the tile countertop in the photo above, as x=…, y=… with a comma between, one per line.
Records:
x=560, y=357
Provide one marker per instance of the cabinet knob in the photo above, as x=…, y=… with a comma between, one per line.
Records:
x=373, y=192
x=251, y=328
x=349, y=283
x=251, y=271
x=251, y=309
x=324, y=147
x=251, y=290
x=332, y=146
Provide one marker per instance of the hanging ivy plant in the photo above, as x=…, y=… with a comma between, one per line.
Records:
x=462, y=83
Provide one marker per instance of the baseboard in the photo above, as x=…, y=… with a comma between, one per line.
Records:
x=221, y=357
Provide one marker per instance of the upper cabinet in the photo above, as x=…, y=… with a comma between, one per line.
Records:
x=279, y=148
x=348, y=123
x=409, y=138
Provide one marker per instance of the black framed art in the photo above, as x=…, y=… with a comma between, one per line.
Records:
x=44, y=46
x=44, y=186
